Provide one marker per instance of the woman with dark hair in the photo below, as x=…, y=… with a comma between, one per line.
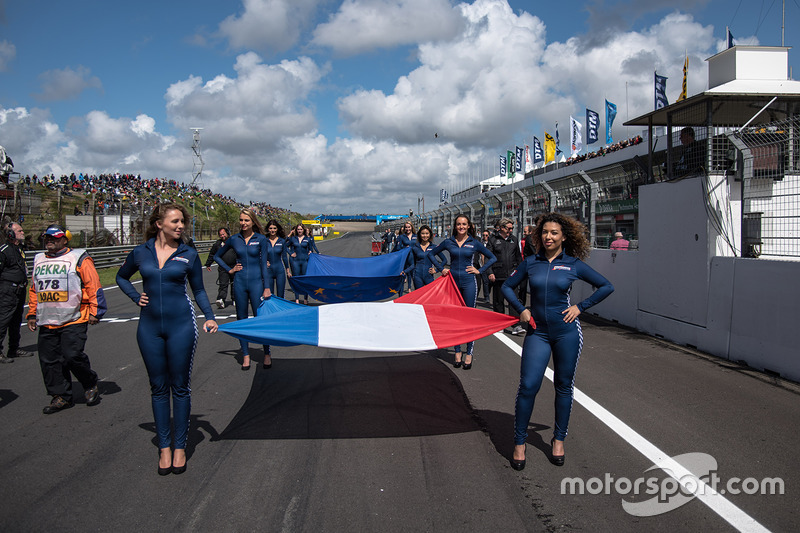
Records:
x=561, y=244
x=277, y=259
x=250, y=246
x=167, y=331
x=423, y=264
x=300, y=245
x=462, y=246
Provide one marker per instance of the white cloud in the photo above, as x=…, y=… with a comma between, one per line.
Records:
x=7, y=54
x=363, y=25
x=267, y=25
x=66, y=83
x=500, y=78
x=253, y=112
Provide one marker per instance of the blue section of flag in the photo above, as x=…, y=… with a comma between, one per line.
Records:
x=519, y=157
x=279, y=322
x=592, y=125
x=333, y=279
x=503, y=164
x=611, y=114
x=731, y=40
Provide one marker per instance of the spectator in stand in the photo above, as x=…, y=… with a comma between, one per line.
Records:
x=619, y=243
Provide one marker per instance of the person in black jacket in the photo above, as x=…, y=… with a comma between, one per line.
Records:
x=13, y=291
x=506, y=248
x=224, y=278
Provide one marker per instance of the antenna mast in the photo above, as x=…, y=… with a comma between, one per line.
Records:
x=197, y=157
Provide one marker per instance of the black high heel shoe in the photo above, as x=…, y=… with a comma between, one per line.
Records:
x=163, y=471
x=456, y=364
x=557, y=460
x=467, y=366
x=177, y=470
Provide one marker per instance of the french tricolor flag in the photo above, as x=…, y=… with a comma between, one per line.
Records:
x=408, y=323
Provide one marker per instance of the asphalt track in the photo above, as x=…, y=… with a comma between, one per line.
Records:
x=333, y=440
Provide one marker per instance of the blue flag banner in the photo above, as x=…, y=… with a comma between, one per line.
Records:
x=538, y=152
x=660, y=91
x=592, y=124
x=731, y=40
x=611, y=114
x=518, y=159
x=442, y=196
x=558, y=142
x=332, y=279
x=503, y=166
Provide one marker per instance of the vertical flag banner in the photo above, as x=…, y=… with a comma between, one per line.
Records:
x=683, y=87
x=528, y=164
x=511, y=166
x=518, y=157
x=442, y=196
x=611, y=114
x=660, y=91
x=502, y=166
x=592, y=125
x=729, y=37
x=538, y=153
x=549, y=148
x=575, y=139
x=558, y=141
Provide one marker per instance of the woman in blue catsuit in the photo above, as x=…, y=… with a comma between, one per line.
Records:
x=301, y=244
x=405, y=239
x=423, y=264
x=462, y=246
x=561, y=243
x=250, y=246
x=167, y=332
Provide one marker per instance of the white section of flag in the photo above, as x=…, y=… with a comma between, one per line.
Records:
x=360, y=326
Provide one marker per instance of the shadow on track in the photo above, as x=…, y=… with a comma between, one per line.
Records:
x=374, y=397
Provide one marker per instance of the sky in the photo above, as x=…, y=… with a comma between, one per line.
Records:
x=360, y=106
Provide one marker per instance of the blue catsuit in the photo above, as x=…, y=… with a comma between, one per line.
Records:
x=404, y=241
x=460, y=259
x=278, y=263
x=550, y=285
x=421, y=263
x=251, y=279
x=167, y=331
x=299, y=263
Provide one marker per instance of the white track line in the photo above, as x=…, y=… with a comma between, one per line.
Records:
x=716, y=502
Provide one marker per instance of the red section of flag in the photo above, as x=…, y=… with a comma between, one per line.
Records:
x=452, y=325
x=441, y=291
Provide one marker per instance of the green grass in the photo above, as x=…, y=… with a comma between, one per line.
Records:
x=108, y=276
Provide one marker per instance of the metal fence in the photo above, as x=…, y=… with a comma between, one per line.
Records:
x=769, y=170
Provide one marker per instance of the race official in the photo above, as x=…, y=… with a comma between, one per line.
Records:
x=224, y=278
x=13, y=284
x=65, y=296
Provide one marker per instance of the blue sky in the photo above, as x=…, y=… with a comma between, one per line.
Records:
x=333, y=106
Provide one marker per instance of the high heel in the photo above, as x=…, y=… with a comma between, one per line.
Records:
x=467, y=366
x=246, y=366
x=177, y=470
x=163, y=471
x=517, y=464
x=557, y=460
x=456, y=363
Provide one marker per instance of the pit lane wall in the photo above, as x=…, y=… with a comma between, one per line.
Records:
x=674, y=287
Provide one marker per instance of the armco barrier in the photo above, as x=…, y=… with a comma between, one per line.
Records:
x=113, y=256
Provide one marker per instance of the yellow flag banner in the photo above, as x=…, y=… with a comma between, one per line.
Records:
x=685, y=72
x=549, y=148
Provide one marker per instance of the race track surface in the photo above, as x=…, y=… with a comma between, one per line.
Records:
x=334, y=440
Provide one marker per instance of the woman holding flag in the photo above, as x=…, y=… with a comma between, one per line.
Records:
x=461, y=247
